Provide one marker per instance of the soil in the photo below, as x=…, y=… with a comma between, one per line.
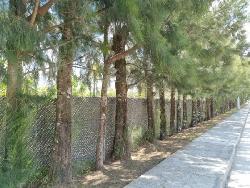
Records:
x=119, y=173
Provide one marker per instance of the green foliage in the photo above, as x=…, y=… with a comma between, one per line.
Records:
x=21, y=166
x=136, y=136
x=17, y=38
x=81, y=168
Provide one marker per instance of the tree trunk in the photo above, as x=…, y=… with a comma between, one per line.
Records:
x=203, y=109
x=61, y=168
x=225, y=105
x=150, y=107
x=184, y=112
x=207, y=109
x=230, y=104
x=198, y=111
x=194, y=109
x=13, y=122
x=233, y=103
x=163, y=123
x=172, y=111
x=14, y=85
x=100, y=147
x=178, y=118
x=121, y=142
x=14, y=89
x=212, y=107
x=221, y=108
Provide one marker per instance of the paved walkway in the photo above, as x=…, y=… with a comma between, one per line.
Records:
x=240, y=174
x=204, y=163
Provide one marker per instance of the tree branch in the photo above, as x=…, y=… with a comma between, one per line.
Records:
x=34, y=13
x=121, y=55
x=45, y=8
x=137, y=82
x=41, y=11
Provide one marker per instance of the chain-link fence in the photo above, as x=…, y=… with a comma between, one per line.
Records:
x=85, y=121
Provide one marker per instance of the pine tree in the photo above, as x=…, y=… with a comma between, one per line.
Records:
x=100, y=147
x=61, y=171
x=127, y=19
x=70, y=12
x=150, y=99
x=20, y=40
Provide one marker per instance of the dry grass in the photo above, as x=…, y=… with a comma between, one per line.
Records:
x=119, y=173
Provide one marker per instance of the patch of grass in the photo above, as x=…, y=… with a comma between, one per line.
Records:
x=82, y=167
x=137, y=137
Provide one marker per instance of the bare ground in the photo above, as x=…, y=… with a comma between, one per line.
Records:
x=120, y=173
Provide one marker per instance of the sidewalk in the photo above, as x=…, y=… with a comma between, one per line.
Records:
x=204, y=163
x=240, y=174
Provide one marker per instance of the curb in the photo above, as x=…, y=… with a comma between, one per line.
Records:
x=231, y=161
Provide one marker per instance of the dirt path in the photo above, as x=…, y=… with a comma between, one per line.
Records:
x=119, y=173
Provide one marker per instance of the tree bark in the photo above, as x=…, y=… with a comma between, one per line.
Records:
x=121, y=142
x=222, y=107
x=202, y=109
x=184, y=125
x=178, y=117
x=121, y=55
x=14, y=85
x=163, y=123
x=172, y=111
x=150, y=107
x=225, y=106
x=207, y=109
x=100, y=147
x=211, y=107
x=194, y=109
x=198, y=111
x=34, y=13
x=39, y=11
x=230, y=104
x=61, y=168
